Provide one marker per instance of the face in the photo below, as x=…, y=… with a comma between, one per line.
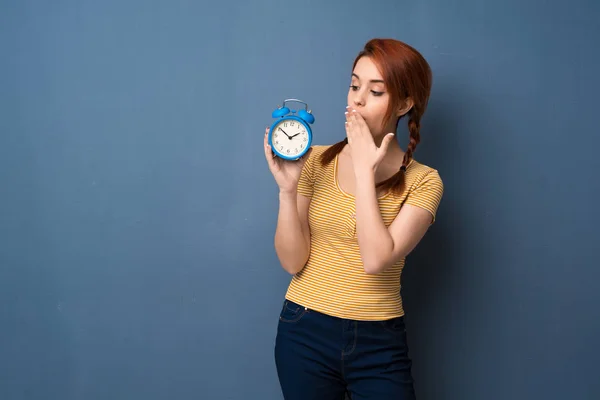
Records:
x=290, y=137
x=368, y=95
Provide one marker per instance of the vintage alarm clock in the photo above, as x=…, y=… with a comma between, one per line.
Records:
x=290, y=136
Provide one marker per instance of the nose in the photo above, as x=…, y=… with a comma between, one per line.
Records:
x=357, y=96
x=358, y=99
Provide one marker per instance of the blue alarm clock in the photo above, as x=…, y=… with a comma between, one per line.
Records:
x=290, y=136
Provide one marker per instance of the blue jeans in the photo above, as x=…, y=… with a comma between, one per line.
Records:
x=319, y=357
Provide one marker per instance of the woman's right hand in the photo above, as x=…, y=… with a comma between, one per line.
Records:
x=286, y=173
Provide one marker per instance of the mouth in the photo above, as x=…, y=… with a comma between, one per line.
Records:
x=350, y=110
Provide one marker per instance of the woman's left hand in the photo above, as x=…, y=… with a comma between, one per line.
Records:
x=366, y=156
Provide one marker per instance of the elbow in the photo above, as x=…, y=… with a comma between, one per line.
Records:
x=291, y=254
x=374, y=268
x=377, y=261
x=380, y=264
x=292, y=269
x=294, y=261
x=375, y=265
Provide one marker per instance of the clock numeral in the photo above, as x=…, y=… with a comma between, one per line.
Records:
x=288, y=151
x=305, y=139
x=285, y=124
x=277, y=142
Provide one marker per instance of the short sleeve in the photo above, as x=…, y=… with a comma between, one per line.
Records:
x=306, y=182
x=427, y=193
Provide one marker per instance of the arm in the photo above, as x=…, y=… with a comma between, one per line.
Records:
x=292, y=236
x=380, y=247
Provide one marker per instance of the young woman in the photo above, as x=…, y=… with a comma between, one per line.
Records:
x=349, y=214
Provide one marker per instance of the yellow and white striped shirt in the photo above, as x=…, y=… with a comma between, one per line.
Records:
x=333, y=280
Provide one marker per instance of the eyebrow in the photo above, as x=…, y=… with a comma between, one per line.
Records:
x=372, y=80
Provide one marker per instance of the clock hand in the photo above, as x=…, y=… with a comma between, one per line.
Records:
x=285, y=133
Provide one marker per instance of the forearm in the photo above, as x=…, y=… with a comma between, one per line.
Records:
x=374, y=240
x=292, y=244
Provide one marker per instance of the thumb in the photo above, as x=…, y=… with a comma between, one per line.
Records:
x=305, y=157
x=386, y=142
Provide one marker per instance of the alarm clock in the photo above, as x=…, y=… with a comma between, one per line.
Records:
x=290, y=136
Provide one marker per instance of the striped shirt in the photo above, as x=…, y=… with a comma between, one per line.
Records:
x=333, y=280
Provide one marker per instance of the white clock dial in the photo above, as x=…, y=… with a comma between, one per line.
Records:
x=290, y=138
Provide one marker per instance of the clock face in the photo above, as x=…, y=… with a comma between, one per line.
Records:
x=290, y=137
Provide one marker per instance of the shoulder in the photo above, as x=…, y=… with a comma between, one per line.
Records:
x=424, y=187
x=417, y=173
x=312, y=172
x=314, y=157
x=318, y=150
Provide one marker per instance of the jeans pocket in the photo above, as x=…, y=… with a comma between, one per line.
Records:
x=291, y=312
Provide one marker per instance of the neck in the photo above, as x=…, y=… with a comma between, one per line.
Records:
x=394, y=150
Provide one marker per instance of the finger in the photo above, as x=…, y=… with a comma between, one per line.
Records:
x=266, y=140
x=386, y=142
x=361, y=128
x=305, y=157
x=349, y=132
x=268, y=151
x=353, y=127
x=268, y=155
x=272, y=162
x=358, y=119
x=354, y=118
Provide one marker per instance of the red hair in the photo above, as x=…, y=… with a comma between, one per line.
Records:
x=406, y=74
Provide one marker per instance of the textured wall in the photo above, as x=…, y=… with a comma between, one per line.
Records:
x=137, y=211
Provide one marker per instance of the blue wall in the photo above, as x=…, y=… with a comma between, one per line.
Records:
x=137, y=211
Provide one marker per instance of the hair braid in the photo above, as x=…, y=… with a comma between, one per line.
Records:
x=329, y=154
x=414, y=129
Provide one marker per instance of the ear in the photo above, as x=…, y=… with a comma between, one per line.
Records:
x=405, y=106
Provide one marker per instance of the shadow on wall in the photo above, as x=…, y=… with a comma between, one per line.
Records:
x=440, y=279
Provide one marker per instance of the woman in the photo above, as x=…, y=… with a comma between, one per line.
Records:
x=349, y=215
